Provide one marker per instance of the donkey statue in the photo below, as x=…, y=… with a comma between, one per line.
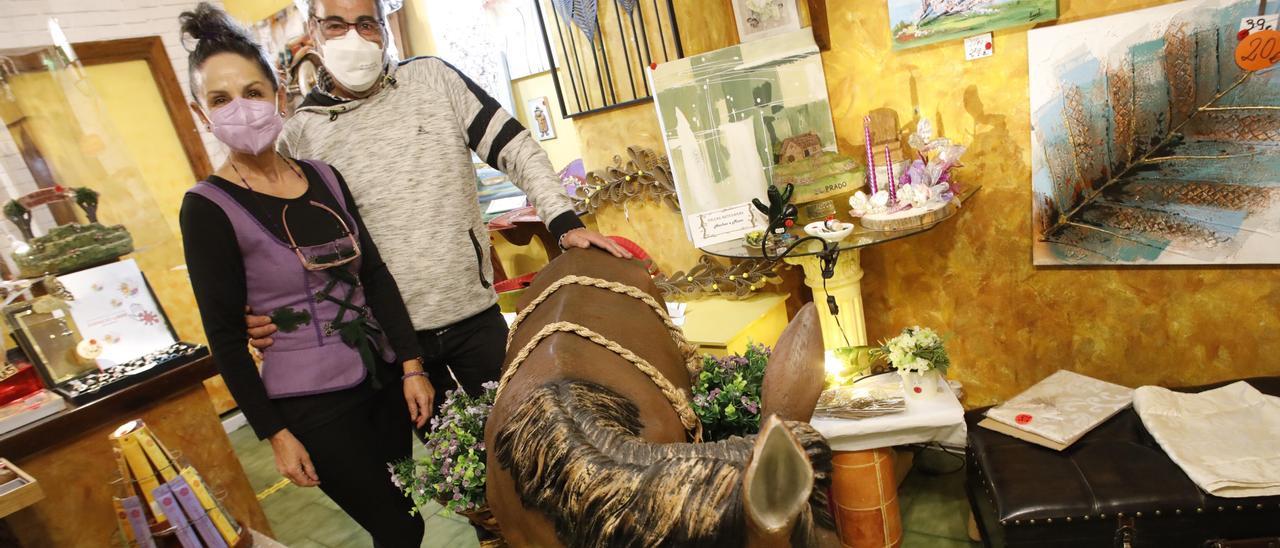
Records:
x=592, y=441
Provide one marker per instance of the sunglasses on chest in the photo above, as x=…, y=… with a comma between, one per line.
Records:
x=338, y=252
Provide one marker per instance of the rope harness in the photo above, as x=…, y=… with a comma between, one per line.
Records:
x=679, y=402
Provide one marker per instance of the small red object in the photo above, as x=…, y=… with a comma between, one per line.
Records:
x=989, y=45
x=1022, y=418
x=1244, y=33
x=918, y=389
x=831, y=217
x=653, y=65
x=57, y=188
x=788, y=223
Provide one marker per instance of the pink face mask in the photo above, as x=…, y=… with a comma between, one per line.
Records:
x=247, y=125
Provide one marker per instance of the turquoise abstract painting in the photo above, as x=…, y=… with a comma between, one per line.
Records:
x=1150, y=146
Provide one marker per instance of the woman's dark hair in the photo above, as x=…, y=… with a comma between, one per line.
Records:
x=212, y=31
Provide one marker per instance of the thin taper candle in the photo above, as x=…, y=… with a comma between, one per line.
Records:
x=893, y=185
x=871, y=157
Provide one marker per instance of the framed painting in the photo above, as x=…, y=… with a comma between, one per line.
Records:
x=916, y=23
x=725, y=115
x=758, y=19
x=1149, y=145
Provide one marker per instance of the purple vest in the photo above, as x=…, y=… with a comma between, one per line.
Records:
x=312, y=358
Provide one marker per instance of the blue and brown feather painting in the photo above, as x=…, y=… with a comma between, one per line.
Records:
x=1149, y=144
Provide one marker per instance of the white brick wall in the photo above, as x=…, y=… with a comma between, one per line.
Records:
x=24, y=24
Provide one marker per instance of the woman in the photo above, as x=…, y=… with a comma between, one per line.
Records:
x=284, y=238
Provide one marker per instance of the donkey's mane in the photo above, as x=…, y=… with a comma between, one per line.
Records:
x=575, y=453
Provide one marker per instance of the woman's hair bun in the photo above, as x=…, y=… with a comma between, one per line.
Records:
x=207, y=31
x=208, y=22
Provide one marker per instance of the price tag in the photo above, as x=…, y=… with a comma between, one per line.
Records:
x=977, y=47
x=1259, y=50
x=1260, y=22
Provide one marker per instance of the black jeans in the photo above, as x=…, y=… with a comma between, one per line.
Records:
x=350, y=454
x=472, y=348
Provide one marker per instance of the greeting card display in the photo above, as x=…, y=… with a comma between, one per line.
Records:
x=117, y=313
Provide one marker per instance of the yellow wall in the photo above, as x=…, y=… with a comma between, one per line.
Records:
x=1012, y=324
x=252, y=11
x=136, y=109
x=565, y=147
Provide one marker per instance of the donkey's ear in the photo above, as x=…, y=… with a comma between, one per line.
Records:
x=795, y=375
x=776, y=485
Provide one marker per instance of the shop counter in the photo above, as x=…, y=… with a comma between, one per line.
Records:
x=70, y=455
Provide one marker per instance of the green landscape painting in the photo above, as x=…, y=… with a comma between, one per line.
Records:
x=915, y=23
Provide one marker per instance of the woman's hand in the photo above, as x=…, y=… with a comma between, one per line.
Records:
x=418, y=393
x=292, y=460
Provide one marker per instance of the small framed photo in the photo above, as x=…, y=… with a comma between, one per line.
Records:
x=762, y=18
x=539, y=112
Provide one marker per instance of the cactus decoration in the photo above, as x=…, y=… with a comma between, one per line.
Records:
x=20, y=216
x=68, y=247
x=87, y=199
x=781, y=212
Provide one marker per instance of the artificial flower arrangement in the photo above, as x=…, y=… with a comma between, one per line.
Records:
x=925, y=184
x=920, y=356
x=916, y=350
x=452, y=473
x=726, y=394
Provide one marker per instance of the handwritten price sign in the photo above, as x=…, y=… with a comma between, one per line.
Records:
x=1261, y=22
x=1259, y=50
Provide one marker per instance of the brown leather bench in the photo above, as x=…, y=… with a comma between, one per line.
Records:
x=1114, y=487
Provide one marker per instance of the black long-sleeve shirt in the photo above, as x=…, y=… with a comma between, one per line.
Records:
x=217, y=273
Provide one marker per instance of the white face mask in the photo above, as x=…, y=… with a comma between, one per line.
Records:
x=353, y=61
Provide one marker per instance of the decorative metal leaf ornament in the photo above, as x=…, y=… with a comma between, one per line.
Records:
x=708, y=278
x=628, y=5
x=644, y=176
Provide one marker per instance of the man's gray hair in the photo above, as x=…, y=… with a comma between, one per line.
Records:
x=385, y=7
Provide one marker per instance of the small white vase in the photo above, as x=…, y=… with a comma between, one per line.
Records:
x=920, y=386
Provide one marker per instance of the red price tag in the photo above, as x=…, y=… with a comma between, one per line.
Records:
x=1259, y=50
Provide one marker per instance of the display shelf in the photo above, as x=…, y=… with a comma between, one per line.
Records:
x=76, y=419
x=860, y=237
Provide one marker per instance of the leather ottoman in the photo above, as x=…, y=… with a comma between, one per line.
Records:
x=1114, y=487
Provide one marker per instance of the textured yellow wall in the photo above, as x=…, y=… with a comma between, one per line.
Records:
x=565, y=147
x=1012, y=324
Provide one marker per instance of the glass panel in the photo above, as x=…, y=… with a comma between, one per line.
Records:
x=91, y=170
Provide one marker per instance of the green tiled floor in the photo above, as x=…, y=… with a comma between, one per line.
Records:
x=934, y=510
x=306, y=518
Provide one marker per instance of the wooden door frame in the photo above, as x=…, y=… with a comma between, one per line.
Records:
x=151, y=49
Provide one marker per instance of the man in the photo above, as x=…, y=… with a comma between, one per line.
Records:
x=402, y=135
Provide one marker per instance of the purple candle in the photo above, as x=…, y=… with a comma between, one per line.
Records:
x=893, y=185
x=871, y=159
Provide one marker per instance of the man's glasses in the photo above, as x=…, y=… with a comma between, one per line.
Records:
x=336, y=27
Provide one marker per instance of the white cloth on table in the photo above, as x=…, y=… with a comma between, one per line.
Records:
x=1227, y=440
x=939, y=418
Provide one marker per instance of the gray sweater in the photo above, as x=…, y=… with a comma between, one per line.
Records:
x=405, y=152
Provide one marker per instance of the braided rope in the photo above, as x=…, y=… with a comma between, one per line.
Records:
x=678, y=401
x=690, y=352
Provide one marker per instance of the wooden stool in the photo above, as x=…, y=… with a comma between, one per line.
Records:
x=865, y=492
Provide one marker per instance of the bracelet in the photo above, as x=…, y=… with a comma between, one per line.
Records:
x=560, y=241
x=423, y=374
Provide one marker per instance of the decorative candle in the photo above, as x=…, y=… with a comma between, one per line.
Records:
x=893, y=185
x=871, y=159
